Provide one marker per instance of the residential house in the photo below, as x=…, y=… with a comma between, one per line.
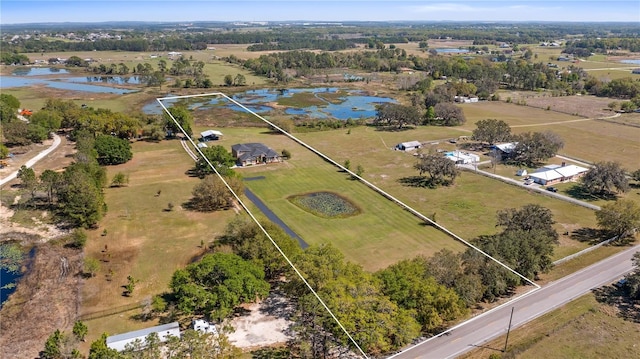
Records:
x=552, y=174
x=408, y=146
x=635, y=71
x=503, y=150
x=120, y=341
x=247, y=154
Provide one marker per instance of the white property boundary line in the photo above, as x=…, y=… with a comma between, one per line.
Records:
x=369, y=184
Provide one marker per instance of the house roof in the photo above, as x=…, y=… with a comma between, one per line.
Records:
x=248, y=151
x=142, y=333
x=506, y=147
x=208, y=133
x=571, y=170
x=410, y=144
x=548, y=175
x=553, y=172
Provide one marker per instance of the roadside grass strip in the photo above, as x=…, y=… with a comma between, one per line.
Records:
x=354, y=176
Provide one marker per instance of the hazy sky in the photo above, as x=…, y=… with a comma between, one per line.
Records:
x=28, y=11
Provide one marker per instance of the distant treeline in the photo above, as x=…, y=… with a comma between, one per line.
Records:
x=329, y=38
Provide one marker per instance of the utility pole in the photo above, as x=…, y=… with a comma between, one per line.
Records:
x=508, y=330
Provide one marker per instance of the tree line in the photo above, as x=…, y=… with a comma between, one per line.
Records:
x=414, y=297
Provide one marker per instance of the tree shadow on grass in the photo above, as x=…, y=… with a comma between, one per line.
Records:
x=416, y=181
x=618, y=297
x=579, y=192
x=588, y=235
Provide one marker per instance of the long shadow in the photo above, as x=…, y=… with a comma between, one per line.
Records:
x=416, y=181
x=618, y=296
x=588, y=235
x=579, y=192
x=485, y=347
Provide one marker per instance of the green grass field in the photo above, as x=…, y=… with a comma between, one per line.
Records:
x=143, y=239
x=467, y=208
x=379, y=236
x=587, y=140
x=583, y=328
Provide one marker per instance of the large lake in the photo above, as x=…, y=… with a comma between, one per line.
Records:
x=30, y=76
x=354, y=104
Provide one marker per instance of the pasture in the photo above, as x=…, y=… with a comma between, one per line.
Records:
x=380, y=235
x=583, y=328
x=139, y=236
x=585, y=139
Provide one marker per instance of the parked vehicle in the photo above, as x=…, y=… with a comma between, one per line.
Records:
x=552, y=189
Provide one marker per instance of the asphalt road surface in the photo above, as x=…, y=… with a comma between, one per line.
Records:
x=492, y=324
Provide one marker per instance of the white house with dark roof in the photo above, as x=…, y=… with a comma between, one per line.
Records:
x=247, y=154
x=120, y=341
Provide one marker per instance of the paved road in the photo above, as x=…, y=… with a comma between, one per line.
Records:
x=34, y=160
x=490, y=325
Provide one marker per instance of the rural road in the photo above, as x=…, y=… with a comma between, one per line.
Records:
x=35, y=159
x=492, y=324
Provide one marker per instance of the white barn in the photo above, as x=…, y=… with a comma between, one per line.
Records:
x=408, y=146
x=120, y=341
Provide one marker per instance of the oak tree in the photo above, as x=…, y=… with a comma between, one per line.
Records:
x=620, y=218
x=492, y=131
x=605, y=178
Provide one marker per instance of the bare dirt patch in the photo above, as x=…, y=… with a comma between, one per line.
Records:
x=265, y=323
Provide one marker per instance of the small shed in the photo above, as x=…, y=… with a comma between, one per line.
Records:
x=210, y=135
x=202, y=145
x=120, y=341
x=521, y=172
x=408, y=146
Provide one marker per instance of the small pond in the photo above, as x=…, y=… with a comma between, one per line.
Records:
x=11, y=260
x=354, y=104
x=633, y=62
x=325, y=204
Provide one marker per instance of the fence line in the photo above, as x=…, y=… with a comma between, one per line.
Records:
x=111, y=311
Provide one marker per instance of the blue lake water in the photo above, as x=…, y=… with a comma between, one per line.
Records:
x=111, y=80
x=8, y=277
x=38, y=71
x=447, y=50
x=13, y=81
x=634, y=62
x=353, y=105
